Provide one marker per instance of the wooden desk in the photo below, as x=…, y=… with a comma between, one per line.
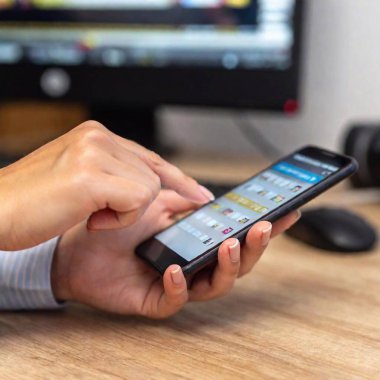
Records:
x=301, y=314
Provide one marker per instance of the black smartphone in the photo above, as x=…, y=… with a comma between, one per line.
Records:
x=289, y=183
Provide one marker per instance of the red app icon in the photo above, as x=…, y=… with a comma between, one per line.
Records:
x=227, y=230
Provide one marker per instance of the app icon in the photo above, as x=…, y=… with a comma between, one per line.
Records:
x=227, y=230
x=199, y=215
x=211, y=223
x=227, y=211
x=278, y=198
x=243, y=220
x=296, y=188
x=215, y=226
x=208, y=241
x=207, y=219
x=215, y=206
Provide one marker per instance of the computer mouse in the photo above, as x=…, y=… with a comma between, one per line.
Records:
x=334, y=229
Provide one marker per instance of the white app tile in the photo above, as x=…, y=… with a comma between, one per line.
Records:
x=235, y=216
x=255, y=187
x=285, y=182
x=199, y=215
x=277, y=181
x=211, y=223
x=197, y=234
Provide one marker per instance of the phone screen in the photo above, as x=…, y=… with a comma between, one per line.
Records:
x=244, y=205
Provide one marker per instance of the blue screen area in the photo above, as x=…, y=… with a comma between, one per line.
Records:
x=244, y=205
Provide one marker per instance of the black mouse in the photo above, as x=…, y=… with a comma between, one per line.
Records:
x=334, y=229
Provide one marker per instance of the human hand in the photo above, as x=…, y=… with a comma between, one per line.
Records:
x=87, y=174
x=101, y=269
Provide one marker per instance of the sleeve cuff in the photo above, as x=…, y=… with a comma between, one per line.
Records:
x=25, y=281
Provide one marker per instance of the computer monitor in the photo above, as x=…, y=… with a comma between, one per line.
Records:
x=126, y=57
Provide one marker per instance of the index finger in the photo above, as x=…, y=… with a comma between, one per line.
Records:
x=170, y=176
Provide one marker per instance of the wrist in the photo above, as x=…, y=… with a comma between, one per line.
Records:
x=60, y=274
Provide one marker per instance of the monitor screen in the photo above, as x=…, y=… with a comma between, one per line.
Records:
x=196, y=36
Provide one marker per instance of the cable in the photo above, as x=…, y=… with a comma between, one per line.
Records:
x=256, y=137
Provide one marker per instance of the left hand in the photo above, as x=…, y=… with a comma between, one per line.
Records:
x=100, y=268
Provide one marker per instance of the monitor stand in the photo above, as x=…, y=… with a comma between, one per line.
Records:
x=134, y=123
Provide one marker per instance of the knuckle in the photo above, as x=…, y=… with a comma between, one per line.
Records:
x=156, y=160
x=93, y=134
x=182, y=176
x=91, y=124
x=184, y=181
x=143, y=196
x=87, y=148
x=233, y=270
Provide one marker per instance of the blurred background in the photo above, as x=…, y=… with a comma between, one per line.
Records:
x=340, y=84
x=337, y=79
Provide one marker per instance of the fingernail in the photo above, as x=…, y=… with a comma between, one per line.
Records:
x=266, y=233
x=234, y=251
x=176, y=275
x=208, y=195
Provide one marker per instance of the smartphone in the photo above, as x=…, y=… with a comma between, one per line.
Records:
x=286, y=185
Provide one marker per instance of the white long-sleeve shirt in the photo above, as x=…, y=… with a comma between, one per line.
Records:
x=25, y=278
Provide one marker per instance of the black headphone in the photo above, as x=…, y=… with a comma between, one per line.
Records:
x=363, y=143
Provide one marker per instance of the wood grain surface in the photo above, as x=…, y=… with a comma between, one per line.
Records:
x=301, y=314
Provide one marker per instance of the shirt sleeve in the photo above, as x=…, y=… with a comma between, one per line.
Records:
x=25, y=278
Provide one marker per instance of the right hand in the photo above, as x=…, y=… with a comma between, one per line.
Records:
x=87, y=174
